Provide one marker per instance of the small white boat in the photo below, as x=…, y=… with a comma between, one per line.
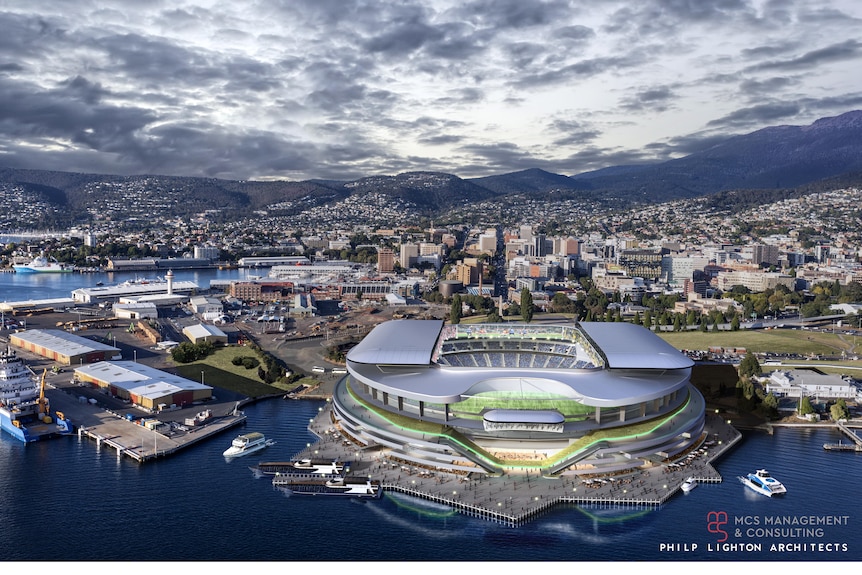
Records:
x=762, y=482
x=689, y=484
x=247, y=443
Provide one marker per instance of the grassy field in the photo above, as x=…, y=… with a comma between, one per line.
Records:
x=772, y=341
x=220, y=372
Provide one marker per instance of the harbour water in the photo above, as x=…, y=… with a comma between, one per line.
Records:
x=69, y=500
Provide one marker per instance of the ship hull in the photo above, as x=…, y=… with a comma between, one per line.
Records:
x=49, y=270
x=34, y=432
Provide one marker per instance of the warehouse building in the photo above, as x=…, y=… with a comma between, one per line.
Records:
x=137, y=310
x=204, y=332
x=144, y=386
x=62, y=347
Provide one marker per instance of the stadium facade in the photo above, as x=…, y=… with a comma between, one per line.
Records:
x=509, y=398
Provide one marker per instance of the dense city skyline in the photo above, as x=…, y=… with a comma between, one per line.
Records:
x=334, y=90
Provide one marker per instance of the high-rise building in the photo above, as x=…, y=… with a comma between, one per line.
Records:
x=385, y=261
x=409, y=253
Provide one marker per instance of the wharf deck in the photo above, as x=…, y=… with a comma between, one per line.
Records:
x=111, y=429
x=517, y=498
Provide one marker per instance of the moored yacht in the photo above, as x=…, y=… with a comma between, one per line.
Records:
x=247, y=443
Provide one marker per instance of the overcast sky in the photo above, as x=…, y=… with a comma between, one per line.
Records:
x=302, y=89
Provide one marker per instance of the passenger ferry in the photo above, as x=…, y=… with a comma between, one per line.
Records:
x=247, y=443
x=350, y=487
x=762, y=482
x=304, y=468
x=318, y=467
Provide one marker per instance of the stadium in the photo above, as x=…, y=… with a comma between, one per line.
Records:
x=512, y=398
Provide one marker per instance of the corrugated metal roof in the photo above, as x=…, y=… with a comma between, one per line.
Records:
x=62, y=342
x=138, y=378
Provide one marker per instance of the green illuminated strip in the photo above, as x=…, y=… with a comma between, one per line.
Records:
x=438, y=430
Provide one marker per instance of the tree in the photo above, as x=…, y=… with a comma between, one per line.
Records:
x=734, y=323
x=455, y=312
x=770, y=405
x=839, y=410
x=526, y=305
x=805, y=407
x=749, y=366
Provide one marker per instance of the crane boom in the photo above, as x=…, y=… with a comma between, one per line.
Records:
x=43, y=403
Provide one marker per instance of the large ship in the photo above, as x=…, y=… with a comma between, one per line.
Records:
x=41, y=264
x=24, y=410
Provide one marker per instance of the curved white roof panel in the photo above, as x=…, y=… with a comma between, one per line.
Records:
x=398, y=342
x=396, y=358
x=630, y=346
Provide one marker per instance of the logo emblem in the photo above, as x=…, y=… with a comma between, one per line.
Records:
x=715, y=521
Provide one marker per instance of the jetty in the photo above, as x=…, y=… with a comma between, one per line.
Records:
x=854, y=445
x=146, y=437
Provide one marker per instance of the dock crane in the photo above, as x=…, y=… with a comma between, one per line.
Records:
x=42, y=402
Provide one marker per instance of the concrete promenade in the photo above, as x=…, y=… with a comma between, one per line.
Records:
x=518, y=497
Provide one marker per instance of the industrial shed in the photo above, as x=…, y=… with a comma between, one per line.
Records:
x=145, y=386
x=141, y=310
x=62, y=347
x=204, y=332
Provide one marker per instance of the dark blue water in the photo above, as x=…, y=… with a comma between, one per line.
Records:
x=68, y=500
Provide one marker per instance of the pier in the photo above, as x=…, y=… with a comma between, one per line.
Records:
x=519, y=497
x=112, y=430
x=855, y=445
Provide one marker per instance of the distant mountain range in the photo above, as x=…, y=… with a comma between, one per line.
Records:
x=823, y=154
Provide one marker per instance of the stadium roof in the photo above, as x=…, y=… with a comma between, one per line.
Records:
x=396, y=357
x=626, y=346
x=399, y=342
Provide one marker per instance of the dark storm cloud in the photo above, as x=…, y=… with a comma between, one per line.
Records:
x=576, y=33
x=335, y=88
x=579, y=70
x=70, y=111
x=407, y=32
x=658, y=99
x=502, y=14
x=767, y=86
x=846, y=50
x=573, y=132
x=761, y=114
